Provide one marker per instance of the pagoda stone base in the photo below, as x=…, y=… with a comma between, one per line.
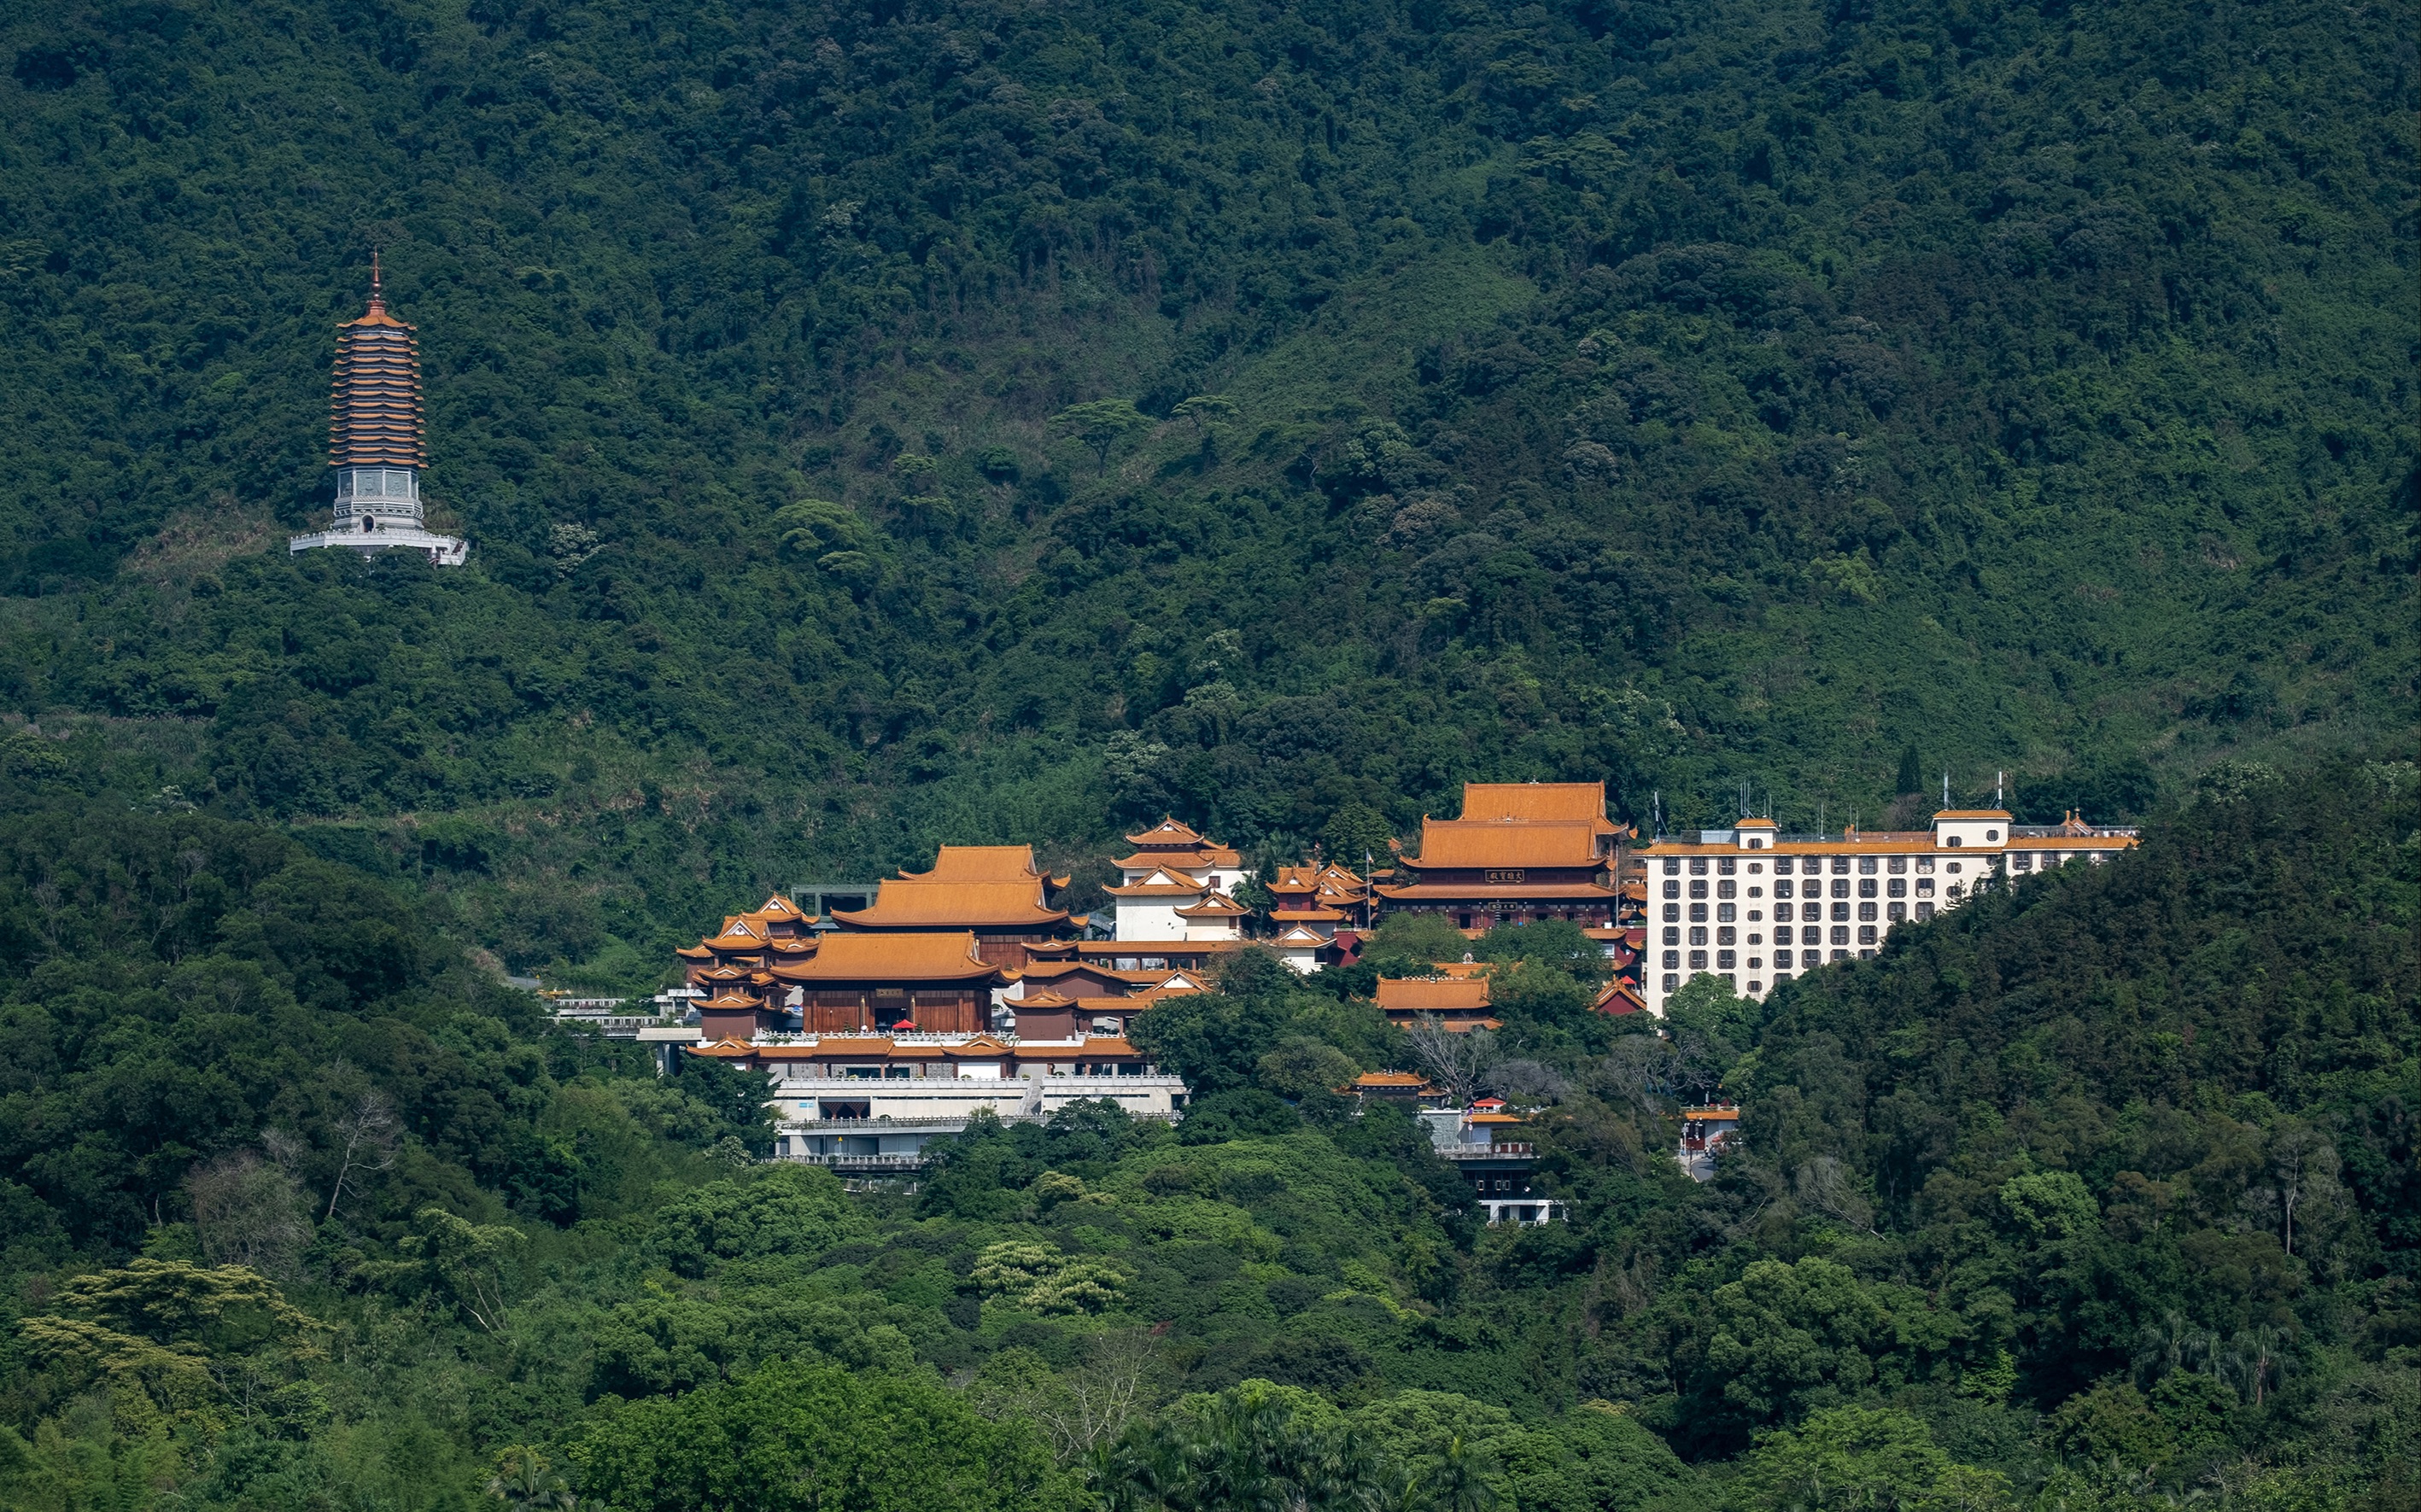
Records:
x=442, y=550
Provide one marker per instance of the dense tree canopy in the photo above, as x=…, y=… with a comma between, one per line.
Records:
x=2089, y=1194
x=886, y=425
x=950, y=422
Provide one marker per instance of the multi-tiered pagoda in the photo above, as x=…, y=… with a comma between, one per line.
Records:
x=376, y=441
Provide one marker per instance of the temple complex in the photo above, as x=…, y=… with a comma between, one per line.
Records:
x=1520, y=852
x=994, y=892
x=1755, y=906
x=376, y=443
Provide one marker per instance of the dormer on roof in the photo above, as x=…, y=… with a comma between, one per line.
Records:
x=1970, y=829
x=1754, y=834
x=1169, y=833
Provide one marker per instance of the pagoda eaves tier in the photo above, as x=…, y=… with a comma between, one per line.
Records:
x=375, y=412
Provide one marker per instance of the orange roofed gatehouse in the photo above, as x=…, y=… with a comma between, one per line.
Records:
x=1520, y=852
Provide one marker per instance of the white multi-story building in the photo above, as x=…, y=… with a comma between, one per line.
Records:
x=1758, y=907
x=1177, y=888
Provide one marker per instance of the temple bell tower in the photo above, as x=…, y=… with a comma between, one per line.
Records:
x=376, y=441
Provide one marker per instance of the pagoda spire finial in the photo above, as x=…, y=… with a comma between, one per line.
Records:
x=378, y=298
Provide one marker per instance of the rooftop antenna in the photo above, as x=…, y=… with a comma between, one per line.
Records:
x=1819, y=819
x=1656, y=813
x=1998, y=779
x=1945, y=787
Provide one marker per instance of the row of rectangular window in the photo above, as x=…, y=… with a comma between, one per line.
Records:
x=1808, y=912
x=1868, y=866
x=1782, y=934
x=1809, y=960
x=1784, y=887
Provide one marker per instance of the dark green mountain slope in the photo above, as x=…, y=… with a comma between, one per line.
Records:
x=2097, y=1194
x=1692, y=394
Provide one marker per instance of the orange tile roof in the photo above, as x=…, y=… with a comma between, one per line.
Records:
x=375, y=408
x=1499, y=843
x=1414, y=995
x=1972, y=814
x=1389, y=1079
x=978, y=863
x=1303, y=935
x=895, y=958
x=1059, y=970
x=1218, y=905
x=907, y=903
x=1182, y=860
x=1167, y=831
x=1145, y=890
x=1311, y=915
x=1537, y=803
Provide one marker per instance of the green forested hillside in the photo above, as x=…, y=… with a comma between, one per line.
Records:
x=1691, y=395
x=2098, y=1196
x=894, y=424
